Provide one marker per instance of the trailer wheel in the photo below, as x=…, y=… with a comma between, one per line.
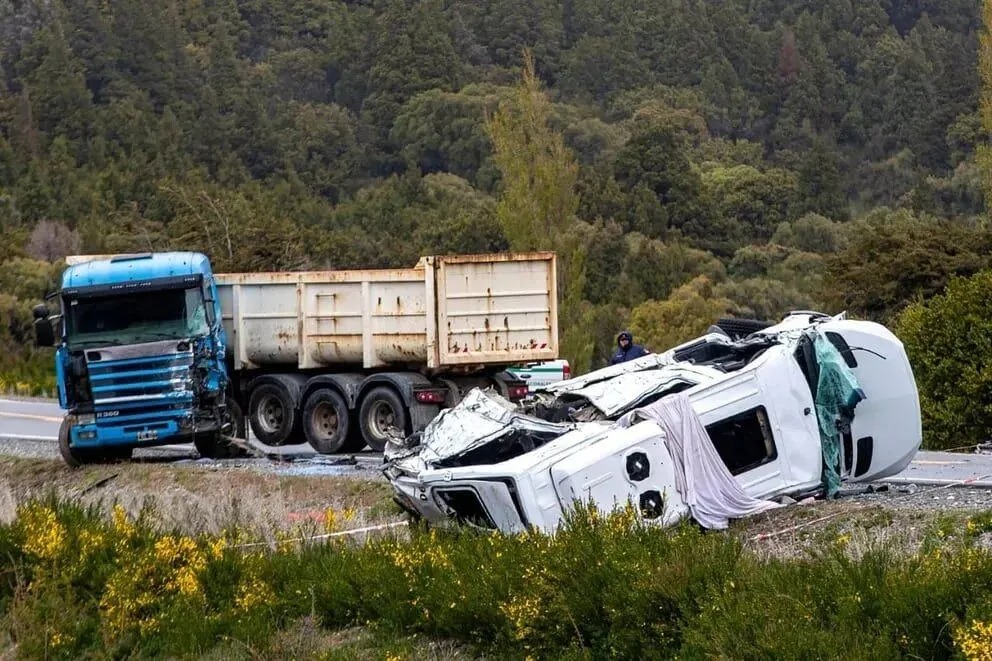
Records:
x=74, y=457
x=355, y=441
x=382, y=410
x=325, y=421
x=272, y=413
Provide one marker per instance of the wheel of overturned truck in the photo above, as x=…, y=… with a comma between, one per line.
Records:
x=382, y=412
x=741, y=328
x=271, y=413
x=216, y=445
x=325, y=421
x=74, y=457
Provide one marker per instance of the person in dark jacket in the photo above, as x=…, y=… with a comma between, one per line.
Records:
x=626, y=349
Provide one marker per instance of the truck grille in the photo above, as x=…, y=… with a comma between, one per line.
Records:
x=141, y=390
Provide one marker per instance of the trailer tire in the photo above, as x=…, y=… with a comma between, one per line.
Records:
x=381, y=409
x=272, y=413
x=74, y=457
x=325, y=421
x=355, y=441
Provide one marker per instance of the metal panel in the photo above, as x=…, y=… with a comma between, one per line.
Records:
x=373, y=322
x=395, y=317
x=497, y=308
x=315, y=319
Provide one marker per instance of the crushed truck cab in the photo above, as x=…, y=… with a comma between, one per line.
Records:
x=763, y=416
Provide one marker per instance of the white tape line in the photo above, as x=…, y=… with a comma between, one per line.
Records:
x=340, y=533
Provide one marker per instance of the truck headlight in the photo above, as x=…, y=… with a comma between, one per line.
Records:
x=86, y=419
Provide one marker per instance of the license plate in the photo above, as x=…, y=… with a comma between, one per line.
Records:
x=149, y=435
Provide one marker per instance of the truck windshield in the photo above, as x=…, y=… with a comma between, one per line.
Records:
x=135, y=318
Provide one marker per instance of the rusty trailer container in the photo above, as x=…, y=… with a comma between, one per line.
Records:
x=447, y=312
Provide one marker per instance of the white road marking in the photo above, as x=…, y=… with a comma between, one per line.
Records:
x=931, y=462
x=30, y=416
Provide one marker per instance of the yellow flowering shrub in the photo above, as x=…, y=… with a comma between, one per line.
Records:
x=44, y=535
x=975, y=640
x=147, y=579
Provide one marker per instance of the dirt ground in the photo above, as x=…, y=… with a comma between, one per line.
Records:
x=208, y=497
x=204, y=498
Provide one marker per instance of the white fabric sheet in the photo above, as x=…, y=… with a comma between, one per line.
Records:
x=701, y=477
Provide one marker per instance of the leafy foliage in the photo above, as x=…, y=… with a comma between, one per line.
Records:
x=747, y=142
x=80, y=585
x=949, y=342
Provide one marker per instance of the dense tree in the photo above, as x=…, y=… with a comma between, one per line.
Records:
x=949, y=342
x=538, y=200
x=685, y=314
x=675, y=140
x=893, y=257
x=656, y=162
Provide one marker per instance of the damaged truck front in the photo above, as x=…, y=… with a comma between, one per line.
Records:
x=140, y=357
x=715, y=428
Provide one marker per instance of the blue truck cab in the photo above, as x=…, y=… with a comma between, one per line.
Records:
x=140, y=359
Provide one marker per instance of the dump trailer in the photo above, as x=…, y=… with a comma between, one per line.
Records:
x=156, y=349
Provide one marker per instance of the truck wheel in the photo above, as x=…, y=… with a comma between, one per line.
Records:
x=740, y=328
x=325, y=421
x=355, y=441
x=271, y=413
x=74, y=457
x=216, y=446
x=117, y=454
x=382, y=409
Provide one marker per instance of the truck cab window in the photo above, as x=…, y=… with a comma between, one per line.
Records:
x=137, y=317
x=744, y=441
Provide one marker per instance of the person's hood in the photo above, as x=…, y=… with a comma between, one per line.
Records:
x=625, y=334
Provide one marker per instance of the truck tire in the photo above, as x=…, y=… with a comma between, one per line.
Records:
x=325, y=421
x=117, y=454
x=74, y=457
x=214, y=445
x=355, y=441
x=740, y=328
x=381, y=410
x=272, y=413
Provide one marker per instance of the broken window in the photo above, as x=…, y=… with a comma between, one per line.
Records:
x=744, y=441
x=466, y=507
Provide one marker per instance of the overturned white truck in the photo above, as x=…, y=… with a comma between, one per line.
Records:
x=715, y=429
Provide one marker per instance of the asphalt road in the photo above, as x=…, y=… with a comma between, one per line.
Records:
x=35, y=423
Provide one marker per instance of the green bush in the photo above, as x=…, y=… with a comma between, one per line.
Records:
x=949, y=342
x=74, y=584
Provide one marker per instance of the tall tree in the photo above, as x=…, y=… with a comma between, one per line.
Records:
x=538, y=200
x=985, y=98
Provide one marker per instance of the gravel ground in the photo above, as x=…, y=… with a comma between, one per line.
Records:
x=365, y=464
x=901, y=516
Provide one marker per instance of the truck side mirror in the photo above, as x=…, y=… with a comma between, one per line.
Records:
x=44, y=334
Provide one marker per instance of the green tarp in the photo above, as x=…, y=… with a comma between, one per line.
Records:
x=837, y=393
